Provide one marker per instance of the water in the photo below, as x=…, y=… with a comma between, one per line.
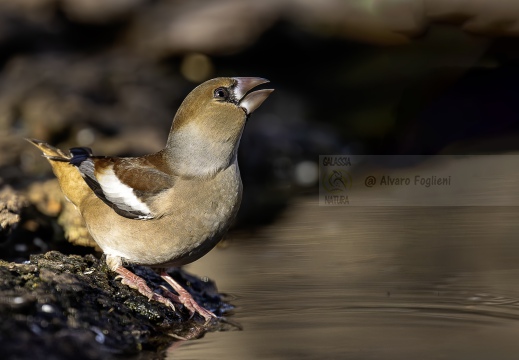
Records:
x=369, y=283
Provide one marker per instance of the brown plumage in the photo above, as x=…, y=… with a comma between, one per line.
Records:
x=172, y=207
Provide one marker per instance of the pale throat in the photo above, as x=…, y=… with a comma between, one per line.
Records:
x=193, y=153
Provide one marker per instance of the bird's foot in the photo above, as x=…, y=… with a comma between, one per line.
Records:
x=185, y=299
x=138, y=283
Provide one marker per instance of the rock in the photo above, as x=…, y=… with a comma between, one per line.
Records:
x=62, y=307
x=49, y=200
x=100, y=11
x=223, y=27
x=11, y=206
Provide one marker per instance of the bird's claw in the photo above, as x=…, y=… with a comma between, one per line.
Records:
x=186, y=299
x=135, y=282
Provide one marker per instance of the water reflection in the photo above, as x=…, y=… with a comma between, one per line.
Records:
x=369, y=283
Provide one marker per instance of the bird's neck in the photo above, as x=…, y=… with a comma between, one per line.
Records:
x=190, y=153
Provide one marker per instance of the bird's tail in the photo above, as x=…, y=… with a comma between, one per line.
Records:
x=50, y=152
x=70, y=179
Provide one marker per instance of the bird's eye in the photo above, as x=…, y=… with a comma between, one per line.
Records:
x=221, y=93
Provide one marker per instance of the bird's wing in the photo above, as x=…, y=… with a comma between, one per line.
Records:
x=127, y=185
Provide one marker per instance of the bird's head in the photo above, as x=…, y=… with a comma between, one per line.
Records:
x=208, y=125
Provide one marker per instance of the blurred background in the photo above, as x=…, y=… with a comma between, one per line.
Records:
x=417, y=77
x=360, y=77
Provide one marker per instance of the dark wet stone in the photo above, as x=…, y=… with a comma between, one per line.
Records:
x=58, y=307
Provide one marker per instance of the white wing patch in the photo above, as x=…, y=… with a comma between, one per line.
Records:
x=120, y=193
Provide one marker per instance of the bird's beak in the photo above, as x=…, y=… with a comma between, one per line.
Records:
x=250, y=101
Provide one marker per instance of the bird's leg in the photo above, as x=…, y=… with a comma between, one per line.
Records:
x=138, y=283
x=135, y=282
x=185, y=298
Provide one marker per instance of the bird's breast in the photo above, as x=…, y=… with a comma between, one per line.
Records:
x=196, y=214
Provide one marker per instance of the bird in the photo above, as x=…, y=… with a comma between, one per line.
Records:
x=337, y=181
x=169, y=208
